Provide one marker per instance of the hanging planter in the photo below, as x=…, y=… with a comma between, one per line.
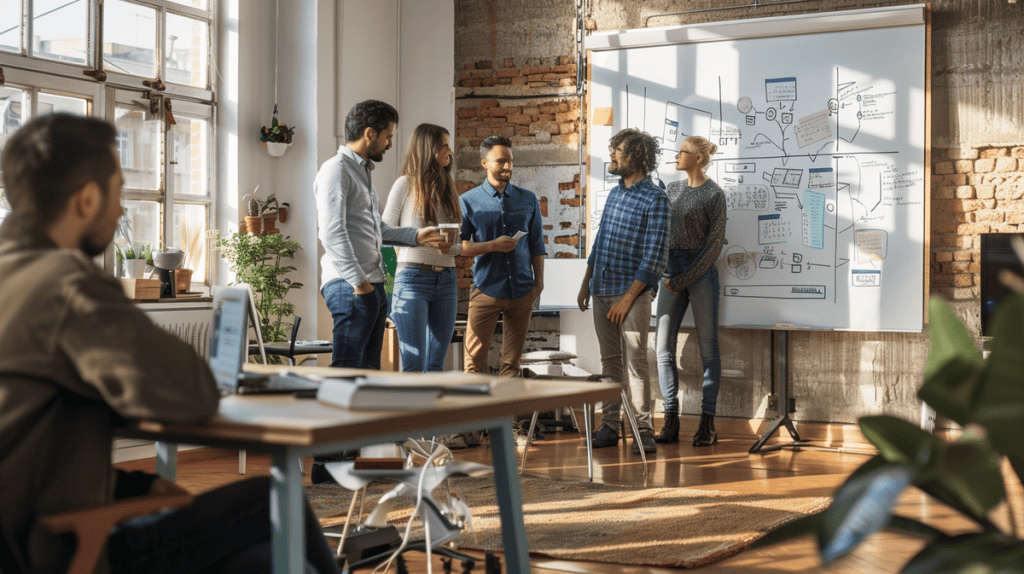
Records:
x=277, y=149
x=277, y=137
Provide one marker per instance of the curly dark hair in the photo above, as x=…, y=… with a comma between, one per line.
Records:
x=639, y=148
x=369, y=114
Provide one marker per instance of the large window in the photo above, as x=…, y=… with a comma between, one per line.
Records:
x=152, y=63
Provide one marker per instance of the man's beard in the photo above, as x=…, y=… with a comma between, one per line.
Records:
x=619, y=169
x=376, y=157
x=92, y=248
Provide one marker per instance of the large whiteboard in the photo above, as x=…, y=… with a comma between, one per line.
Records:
x=821, y=153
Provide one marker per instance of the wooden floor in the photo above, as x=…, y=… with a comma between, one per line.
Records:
x=726, y=466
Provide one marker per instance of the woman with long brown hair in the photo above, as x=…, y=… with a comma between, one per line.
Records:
x=423, y=302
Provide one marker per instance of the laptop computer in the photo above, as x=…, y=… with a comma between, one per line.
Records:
x=229, y=347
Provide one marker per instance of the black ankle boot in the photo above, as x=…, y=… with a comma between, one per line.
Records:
x=706, y=435
x=670, y=430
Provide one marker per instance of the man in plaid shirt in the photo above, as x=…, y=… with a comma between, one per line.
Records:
x=623, y=270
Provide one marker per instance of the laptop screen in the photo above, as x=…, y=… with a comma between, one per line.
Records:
x=229, y=341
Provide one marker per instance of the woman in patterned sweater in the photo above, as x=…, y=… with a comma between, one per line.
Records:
x=696, y=234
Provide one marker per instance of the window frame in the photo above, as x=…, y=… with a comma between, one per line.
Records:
x=28, y=71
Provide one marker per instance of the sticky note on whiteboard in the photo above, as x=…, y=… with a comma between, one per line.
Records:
x=866, y=277
x=603, y=116
x=871, y=245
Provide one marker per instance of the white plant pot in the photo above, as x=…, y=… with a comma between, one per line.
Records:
x=277, y=149
x=135, y=268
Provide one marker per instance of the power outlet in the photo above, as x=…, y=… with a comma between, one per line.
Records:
x=773, y=402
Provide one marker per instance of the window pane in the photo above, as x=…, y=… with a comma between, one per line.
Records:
x=139, y=143
x=186, y=50
x=191, y=156
x=10, y=25
x=50, y=103
x=12, y=112
x=129, y=38
x=189, y=235
x=60, y=30
x=144, y=222
x=200, y=4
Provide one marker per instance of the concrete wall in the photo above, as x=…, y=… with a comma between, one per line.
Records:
x=977, y=59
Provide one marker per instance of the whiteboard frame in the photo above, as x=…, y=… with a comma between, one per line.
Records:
x=783, y=26
x=885, y=17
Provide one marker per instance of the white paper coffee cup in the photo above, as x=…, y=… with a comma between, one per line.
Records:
x=450, y=231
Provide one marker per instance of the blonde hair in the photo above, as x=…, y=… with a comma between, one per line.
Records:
x=433, y=186
x=704, y=148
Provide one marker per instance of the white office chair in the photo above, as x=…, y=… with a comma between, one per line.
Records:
x=563, y=358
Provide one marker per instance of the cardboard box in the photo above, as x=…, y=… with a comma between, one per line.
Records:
x=141, y=289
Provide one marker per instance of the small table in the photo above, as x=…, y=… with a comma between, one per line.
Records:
x=289, y=428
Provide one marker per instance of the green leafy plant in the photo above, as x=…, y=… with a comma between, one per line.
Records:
x=260, y=261
x=984, y=396
x=277, y=132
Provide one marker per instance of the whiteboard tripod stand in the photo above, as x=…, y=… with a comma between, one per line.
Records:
x=780, y=375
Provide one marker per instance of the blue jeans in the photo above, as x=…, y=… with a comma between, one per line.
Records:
x=423, y=309
x=359, y=322
x=670, y=310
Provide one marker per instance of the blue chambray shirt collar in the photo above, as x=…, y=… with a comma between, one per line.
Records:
x=490, y=189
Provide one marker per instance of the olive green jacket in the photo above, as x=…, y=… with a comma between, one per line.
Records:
x=76, y=359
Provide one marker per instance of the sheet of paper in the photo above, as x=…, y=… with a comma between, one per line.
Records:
x=518, y=235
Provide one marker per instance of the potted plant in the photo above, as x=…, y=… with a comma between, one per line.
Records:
x=261, y=217
x=261, y=261
x=277, y=137
x=134, y=260
x=985, y=396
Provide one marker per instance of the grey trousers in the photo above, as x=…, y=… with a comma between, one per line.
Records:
x=624, y=350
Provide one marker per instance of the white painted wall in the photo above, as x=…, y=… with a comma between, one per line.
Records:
x=401, y=52
x=332, y=54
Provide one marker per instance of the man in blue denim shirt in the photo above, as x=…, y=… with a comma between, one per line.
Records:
x=627, y=260
x=509, y=270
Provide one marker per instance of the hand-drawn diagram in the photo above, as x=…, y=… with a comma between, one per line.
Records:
x=822, y=172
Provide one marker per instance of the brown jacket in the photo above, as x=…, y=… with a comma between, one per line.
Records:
x=76, y=358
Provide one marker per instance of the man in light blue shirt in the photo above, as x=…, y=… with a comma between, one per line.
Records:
x=509, y=270
x=352, y=233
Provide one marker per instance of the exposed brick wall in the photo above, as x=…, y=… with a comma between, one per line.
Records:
x=545, y=120
x=974, y=191
x=537, y=73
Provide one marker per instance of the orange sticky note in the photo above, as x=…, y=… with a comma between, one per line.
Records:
x=603, y=116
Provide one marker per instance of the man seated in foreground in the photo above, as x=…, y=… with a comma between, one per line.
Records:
x=77, y=358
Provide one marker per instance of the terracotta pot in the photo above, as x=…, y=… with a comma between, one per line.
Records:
x=254, y=225
x=183, y=280
x=270, y=224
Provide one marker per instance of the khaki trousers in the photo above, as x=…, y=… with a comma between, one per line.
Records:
x=624, y=357
x=484, y=311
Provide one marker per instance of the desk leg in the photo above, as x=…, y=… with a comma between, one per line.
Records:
x=286, y=514
x=166, y=459
x=510, y=501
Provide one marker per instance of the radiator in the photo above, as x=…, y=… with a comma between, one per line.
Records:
x=189, y=321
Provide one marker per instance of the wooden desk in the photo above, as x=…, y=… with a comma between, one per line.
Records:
x=288, y=428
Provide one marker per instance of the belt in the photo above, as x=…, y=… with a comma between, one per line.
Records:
x=424, y=267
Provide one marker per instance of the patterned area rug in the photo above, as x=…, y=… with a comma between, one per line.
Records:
x=675, y=527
